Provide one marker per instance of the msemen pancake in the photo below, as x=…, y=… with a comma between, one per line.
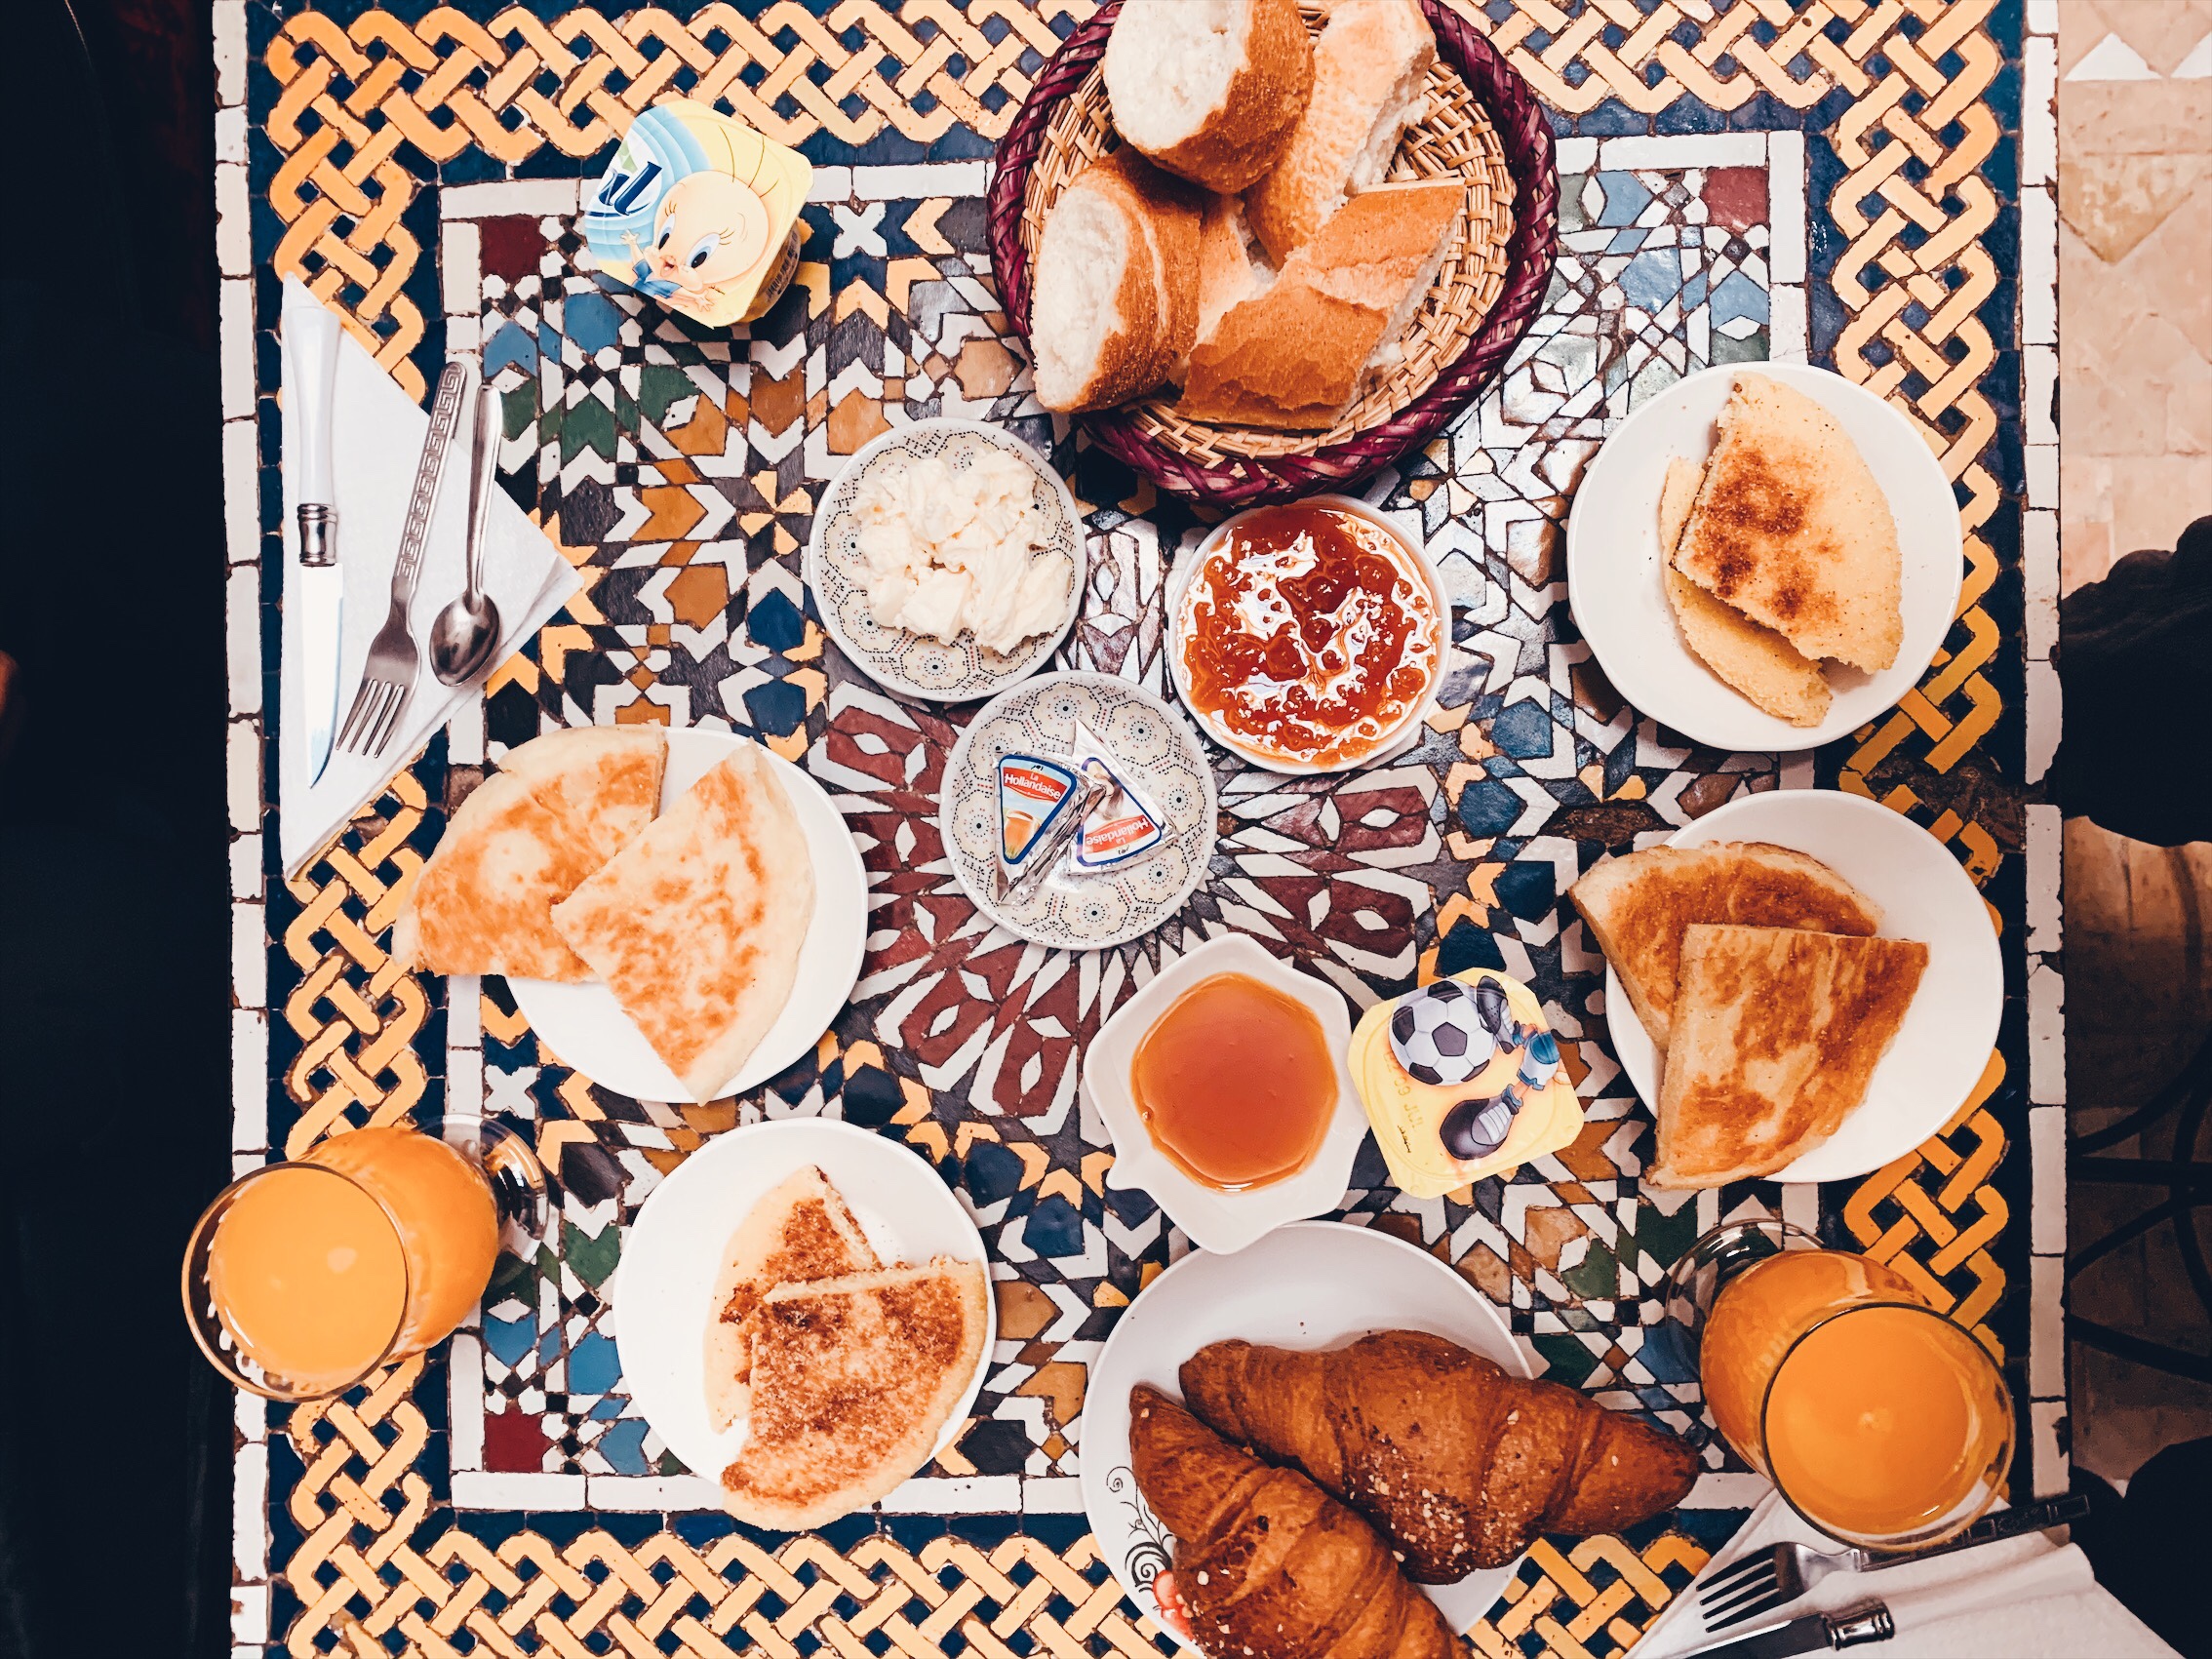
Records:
x=561, y=807
x=1639, y=904
x=1777, y=1034
x=696, y=924
x=800, y=1230
x=852, y=1380
x=1756, y=661
x=1792, y=530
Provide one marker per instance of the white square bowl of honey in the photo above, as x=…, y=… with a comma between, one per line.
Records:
x=1224, y=1086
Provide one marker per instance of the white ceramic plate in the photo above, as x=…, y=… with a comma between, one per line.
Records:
x=1158, y=754
x=896, y=658
x=586, y=1027
x=1620, y=600
x=1311, y=1284
x=1218, y=1221
x=1944, y=1047
x=663, y=1293
x=1409, y=726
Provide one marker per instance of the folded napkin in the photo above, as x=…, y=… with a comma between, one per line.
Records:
x=376, y=439
x=2020, y=1599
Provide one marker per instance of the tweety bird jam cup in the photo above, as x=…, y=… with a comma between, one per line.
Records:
x=701, y=213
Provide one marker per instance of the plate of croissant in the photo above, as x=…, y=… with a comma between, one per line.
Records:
x=1331, y=1443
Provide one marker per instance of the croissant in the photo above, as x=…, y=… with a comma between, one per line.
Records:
x=1458, y=1463
x=1266, y=1563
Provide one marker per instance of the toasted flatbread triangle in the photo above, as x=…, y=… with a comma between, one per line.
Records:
x=1639, y=904
x=852, y=1380
x=1777, y=1034
x=800, y=1230
x=1792, y=530
x=696, y=924
x=1756, y=661
x=561, y=807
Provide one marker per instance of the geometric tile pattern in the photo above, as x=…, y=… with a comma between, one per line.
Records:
x=1833, y=179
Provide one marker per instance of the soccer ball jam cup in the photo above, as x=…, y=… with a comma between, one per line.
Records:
x=1881, y=1421
x=307, y=1277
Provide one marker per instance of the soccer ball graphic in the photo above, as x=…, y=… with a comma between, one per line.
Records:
x=1440, y=1034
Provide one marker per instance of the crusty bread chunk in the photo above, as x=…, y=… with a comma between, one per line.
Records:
x=1209, y=89
x=1777, y=1034
x=1792, y=530
x=1231, y=266
x=1115, y=307
x=1370, y=68
x=1756, y=661
x=1296, y=352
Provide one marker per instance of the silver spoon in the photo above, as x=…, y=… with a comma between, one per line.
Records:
x=465, y=631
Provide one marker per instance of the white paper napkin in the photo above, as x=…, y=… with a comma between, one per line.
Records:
x=377, y=439
x=2020, y=1599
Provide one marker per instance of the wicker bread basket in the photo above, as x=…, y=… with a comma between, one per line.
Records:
x=1480, y=122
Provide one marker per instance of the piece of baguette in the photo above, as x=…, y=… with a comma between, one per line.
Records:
x=1115, y=309
x=1293, y=355
x=1230, y=266
x=1209, y=89
x=1370, y=69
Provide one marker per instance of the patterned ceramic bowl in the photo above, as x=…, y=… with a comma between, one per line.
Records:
x=1155, y=751
x=914, y=664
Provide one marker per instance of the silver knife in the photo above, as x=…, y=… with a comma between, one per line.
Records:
x=1815, y=1632
x=311, y=340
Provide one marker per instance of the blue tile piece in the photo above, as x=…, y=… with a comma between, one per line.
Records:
x=509, y=1339
x=1653, y=278
x=592, y=322
x=1624, y=198
x=1487, y=807
x=1523, y=731
x=623, y=1448
x=1738, y=297
x=594, y=1367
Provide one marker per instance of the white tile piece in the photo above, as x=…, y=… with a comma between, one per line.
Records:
x=2046, y=842
x=244, y=762
x=2042, y=475
x=464, y=1082
x=2039, y=366
x=2046, y=1038
x=2038, y=254
x=829, y=184
x=465, y=333
x=480, y=1489
x=2046, y=1327
x=2198, y=65
x=246, y=867
x=2039, y=118
x=2043, y=17
x=248, y=957
x=241, y=497
x=1682, y=150
x=2046, y=1151
x=2053, y=1471
x=520, y=198
x=2044, y=714
x=248, y=1526
x=938, y=1494
x=2040, y=576
x=917, y=179
x=229, y=51
x=1575, y=155
x=234, y=226
x=250, y=1415
x=1053, y=1494
x=1728, y=1491
x=249, y=1080
x=234, y=306
x=460, y=264
x=230, y=135
x=1786, y=206
x=464, y=735
x=2113, y=60
x=465, y=1012
x=673, y=1494
x=466, y=1392
x=250, y=1613
x=241, y=635
x=1786, y=330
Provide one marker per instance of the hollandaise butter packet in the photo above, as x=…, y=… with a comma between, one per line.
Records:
x=701, y=211
x=1462, y=1080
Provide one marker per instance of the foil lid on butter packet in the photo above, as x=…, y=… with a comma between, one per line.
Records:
x=1124, y=825
x=1462, y=1080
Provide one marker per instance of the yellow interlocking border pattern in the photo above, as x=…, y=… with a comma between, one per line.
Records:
x=350, y=95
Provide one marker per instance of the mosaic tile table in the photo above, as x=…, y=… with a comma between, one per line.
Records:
x=1864, y=183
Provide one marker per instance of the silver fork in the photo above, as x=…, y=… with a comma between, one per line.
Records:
x=1768, y=1578
x=387, y=679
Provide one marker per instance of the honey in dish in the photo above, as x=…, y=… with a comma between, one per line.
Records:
x=1310, y=633
x=1234, y=1084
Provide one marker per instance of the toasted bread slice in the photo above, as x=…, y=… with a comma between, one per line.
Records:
x=1756, y=661
x=560, y=807
x=801, y=1231
x=1371, y=73
x=852, y=1380
x=1639, y=904
x=1777, y=1034
x=1792, y=530
x=1210, y=90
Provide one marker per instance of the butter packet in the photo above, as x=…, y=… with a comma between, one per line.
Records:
x=1462, y=1080
x=1042, y=800
x=1124, y=825
x=699, y=212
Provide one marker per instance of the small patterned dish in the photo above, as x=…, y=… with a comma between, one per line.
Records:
x=913, y=665
x=1159, y=754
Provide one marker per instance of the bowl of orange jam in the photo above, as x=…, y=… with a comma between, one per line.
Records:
x=1307, y=638
x=1223, y=1084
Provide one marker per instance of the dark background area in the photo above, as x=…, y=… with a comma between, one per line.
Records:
x=114, y=939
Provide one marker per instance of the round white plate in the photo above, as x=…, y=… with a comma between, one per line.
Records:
x=1158, y=754
x=1309, y=1285
x=1620, y=600
x=1944, y=1046
x=912, y=663
x=585, y=1026
x=663, y=1291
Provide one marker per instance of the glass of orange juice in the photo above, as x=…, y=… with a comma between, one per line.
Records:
x=305, y=1276
x=1880, y=1420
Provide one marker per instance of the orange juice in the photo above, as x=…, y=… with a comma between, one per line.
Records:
x=310, y=1277
x=1880, y=1424
x=448, y=1223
